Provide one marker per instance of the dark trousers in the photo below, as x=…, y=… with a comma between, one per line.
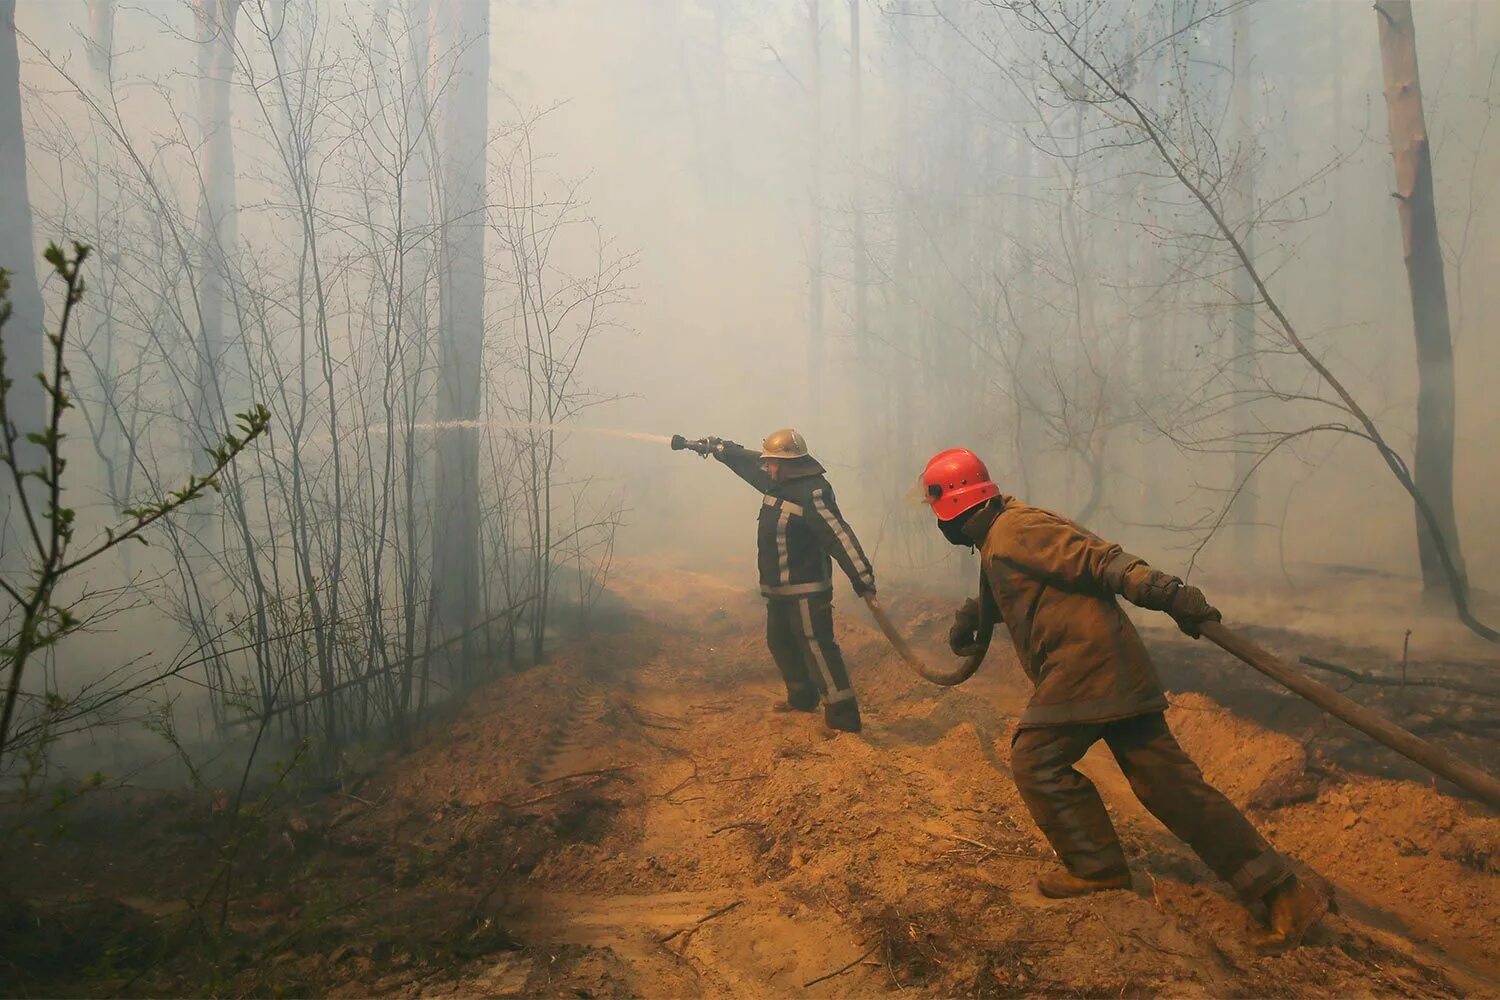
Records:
x=799, y=632
x=1070, y=813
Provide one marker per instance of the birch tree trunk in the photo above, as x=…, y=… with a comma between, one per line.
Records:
x=463, y=26
x=1433, y=466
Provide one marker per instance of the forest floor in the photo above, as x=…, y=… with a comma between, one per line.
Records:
x=633, y=819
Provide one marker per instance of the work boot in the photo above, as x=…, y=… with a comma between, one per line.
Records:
x=799, y=699
x=1063, y=884
x=1292, y=908
x=843, y=716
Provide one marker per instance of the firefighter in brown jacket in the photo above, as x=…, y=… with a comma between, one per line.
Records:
x=1054, y=585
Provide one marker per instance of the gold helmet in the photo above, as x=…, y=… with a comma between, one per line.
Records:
x=785, y=443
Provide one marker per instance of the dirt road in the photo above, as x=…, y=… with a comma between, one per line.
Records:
x=651, y=827
x=634, y=819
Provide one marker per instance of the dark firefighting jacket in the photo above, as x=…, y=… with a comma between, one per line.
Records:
x=1055, y=585
x=801, y=531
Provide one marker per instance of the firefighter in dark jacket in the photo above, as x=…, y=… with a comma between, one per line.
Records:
x=801, y=533
x=1054, y=585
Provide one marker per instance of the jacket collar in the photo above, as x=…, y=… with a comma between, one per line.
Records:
x=978, y=526
x=801, y=468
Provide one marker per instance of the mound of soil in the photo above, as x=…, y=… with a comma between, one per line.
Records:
x=634, y=819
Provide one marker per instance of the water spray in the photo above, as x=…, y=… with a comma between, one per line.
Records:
x=512, y=425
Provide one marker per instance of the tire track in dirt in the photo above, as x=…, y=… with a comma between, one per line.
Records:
x=573, y=738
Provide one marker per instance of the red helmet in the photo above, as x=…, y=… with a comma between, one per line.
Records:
x=955, y=481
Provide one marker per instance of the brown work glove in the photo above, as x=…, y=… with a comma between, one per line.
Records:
x=963, y=637
x=1190, y=609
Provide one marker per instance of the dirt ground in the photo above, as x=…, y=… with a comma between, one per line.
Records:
x=633, y=819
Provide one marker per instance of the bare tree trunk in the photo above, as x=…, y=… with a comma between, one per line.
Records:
x=815, y=204
x=101, y=35
x=862, y=344
x=463, y=25
x=1433, y=466
x=416, y=202
x=118, y=468
x=897, y=323
x=1242, y=365
x=18, y=254
x=215, y=20
x=1340, y=213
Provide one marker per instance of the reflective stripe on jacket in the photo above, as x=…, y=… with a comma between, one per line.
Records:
x=801, y=532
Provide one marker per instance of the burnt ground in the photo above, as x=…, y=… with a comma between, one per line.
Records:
x=632, y=819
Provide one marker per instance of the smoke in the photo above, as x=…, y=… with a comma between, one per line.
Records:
x=1000, y=269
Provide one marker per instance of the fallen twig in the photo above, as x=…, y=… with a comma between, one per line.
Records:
x=484, y=898
x=550, y=795
x=598, y=778
x=675, y=788
x=635, y=713
x=993, y=850
x=741, y=825
x=657, y=725
x=1434, y=682
x=583, y=774
x=844, y=969
x=702, y=920
x=1137, y=935
x=1437, y=723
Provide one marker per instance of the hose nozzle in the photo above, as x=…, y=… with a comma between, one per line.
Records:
x=700, y=445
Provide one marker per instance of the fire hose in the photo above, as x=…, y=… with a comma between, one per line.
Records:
x=1372, y=724
x=965, y=670
x=1411, y=746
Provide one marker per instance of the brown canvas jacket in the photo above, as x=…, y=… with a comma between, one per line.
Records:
x=1047, y=576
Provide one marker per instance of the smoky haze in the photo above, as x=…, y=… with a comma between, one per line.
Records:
x=691, y=221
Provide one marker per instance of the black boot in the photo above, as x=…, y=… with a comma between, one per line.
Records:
x=799, y=699
x=843, y=716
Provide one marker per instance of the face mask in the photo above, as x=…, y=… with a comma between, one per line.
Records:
x=954, y=530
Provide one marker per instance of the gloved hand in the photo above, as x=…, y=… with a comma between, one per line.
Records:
x=864, y=589
x=963, y=637
x=1190, y=609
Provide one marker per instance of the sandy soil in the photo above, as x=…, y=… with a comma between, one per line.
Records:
x=633, y=819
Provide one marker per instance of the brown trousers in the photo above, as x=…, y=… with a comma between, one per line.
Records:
x=1070, y=813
